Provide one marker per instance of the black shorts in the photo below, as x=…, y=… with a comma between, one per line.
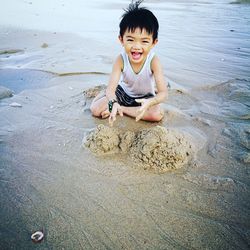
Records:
x=125, y=100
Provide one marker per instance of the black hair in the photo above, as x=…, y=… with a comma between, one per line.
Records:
x=139, y=17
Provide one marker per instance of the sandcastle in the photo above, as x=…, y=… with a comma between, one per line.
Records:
x=158, y=148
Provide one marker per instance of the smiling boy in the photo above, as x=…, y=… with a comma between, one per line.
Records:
x=136, y=71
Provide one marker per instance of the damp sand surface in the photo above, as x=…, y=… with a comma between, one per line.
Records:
x=127, y=196
x=133, y=184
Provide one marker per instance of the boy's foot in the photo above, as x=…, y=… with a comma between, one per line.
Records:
x=105, y=114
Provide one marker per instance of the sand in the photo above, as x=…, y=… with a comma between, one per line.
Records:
x=156, y=148
x=182, y=183
x=5, y=92
x=103, y=140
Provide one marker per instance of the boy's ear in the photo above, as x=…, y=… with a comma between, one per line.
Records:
x=120, y=39
x=155, y=41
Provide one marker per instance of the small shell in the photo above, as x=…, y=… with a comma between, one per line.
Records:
x=37, y=236
x=15, y=105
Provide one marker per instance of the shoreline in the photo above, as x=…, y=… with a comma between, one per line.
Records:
x=39, y=50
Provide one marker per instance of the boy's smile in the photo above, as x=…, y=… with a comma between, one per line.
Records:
x=137, y=45
x=136, y=55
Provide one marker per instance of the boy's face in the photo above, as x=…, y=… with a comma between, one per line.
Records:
x=137, y=44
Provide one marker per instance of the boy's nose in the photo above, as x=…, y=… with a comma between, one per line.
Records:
x=136, y=46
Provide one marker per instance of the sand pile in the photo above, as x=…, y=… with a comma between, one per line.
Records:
x=157, y=148
x=104, y=140
x=93, y=92
x=4, y=92
x=161, y=149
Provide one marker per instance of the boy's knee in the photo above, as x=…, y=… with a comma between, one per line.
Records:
x=155, y=116
x=95, y=110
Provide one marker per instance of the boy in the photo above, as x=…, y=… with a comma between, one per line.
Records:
x=136, y=71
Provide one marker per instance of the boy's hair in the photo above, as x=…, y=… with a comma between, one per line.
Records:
x=139, y=17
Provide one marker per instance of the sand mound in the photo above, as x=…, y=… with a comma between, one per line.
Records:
x=93, y=92
x=104, y=140
x=156, y=148
x=4, y=92
x=126, y=141
x=161, y=149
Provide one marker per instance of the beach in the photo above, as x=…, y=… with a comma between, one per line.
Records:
x=54, y=57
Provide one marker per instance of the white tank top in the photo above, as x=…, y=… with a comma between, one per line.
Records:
x=137, y=84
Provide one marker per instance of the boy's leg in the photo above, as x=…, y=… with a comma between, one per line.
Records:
x=99, y=108
x=153, y=114
x=99, y=104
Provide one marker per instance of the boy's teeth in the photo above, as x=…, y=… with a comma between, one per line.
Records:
x=136, y=55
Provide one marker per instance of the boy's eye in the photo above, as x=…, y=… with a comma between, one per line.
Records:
x=145, y=41
x=130, y=40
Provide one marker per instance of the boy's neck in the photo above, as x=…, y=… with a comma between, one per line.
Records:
x=137, y=67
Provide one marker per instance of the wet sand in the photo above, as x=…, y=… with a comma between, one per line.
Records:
x=81, y=200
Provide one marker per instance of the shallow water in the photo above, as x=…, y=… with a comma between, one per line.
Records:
x=48, y=181
x=20, y=79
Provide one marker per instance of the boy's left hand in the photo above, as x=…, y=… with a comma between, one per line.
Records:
x=116, y=109
x=145, y=104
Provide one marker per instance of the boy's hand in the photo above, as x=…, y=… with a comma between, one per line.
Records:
x=145, y=105
x=116, y=109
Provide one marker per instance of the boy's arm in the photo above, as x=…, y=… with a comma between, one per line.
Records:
x=112, y=85
x=162, y=91
x=161, y=86
x=114, y=78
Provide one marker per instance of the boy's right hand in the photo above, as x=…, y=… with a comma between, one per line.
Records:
x=145, y=105
x=116, y=109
